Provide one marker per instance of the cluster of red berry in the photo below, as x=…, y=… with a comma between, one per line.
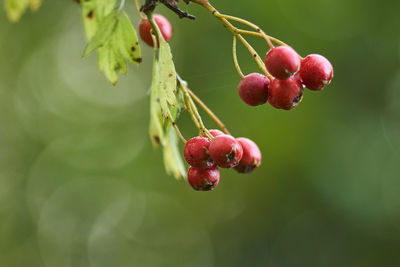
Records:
x=223, y=151
x=290, y=74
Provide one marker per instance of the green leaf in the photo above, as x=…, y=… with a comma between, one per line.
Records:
x=165, y=108
x=128, y=40
x=90, y=20
x=115, y=38
x=156, y=129
x=103, y=8
x=103, y=33
x=110, y=61
x=16, y=8
x=172, y=158
x=167, y=81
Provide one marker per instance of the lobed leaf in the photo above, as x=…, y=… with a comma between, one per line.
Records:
x=103, y=33
x=112, y=35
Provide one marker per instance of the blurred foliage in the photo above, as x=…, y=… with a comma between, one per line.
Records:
x=80, y=184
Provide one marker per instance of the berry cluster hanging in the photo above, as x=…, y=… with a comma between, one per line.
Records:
x=281, y=82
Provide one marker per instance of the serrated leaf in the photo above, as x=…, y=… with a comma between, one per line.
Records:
x=128, y=40
x=16, y=8
x=110, y=61
x=103, y=33
x=156, y=129
x=167, y=81
x=90, y=22
x=103, y=8
x=172, y=158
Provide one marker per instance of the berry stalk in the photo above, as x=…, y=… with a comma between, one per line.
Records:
x=209, y=112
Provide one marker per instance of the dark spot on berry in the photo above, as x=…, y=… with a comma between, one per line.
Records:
x=298, y=98
x=133, y=48
x=207, y=186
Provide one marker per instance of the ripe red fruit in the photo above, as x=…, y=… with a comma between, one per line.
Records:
x=253, y=89
x=282, y=62
x=251, y=156
x=196, y=153
x=316, y=72
x=203, y=180
x=286, y=94
x=226, y=151
x=163, y=24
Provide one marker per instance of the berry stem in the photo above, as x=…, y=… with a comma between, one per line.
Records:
x=236, y=32
x=209, y=112
x=138, y=8
x=179, y=132
x=235, y=60
x=194, y=113
x=251, y=25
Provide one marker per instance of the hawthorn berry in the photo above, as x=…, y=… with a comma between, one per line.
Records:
x=286, y=94
x=253, y=89
x=282, y=62
x=226, y=151
x=316, y=72
x=162, y=23
x=196, y=153
x=203, y=180
x=251, y=156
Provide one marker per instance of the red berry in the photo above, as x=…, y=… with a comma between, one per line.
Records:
x=196, y=153
x=286, y=94
x=253, y=89
x=282, y=62
x=316, y=72
x=251, y=156
x=214, y=133
x=203, y=180
x=226, y=151
x=163, y=24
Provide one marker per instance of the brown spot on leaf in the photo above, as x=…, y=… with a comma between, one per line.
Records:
x=156, y=139
x=133, y=48
x=138, y=60
x=90, y=14
x=170, y=75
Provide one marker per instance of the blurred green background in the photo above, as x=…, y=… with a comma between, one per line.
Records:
x=80, y=184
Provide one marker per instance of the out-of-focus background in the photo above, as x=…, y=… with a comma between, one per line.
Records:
x=80, y=184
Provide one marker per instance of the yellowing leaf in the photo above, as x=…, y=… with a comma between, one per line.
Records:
x=114, y=38
x=156, y=129
x=167, y=81
x=172, y=157
x=103, y=33
x=128, y=40
x=90, y=20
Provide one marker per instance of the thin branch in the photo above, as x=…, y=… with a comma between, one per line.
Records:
x=235, y=60
x=208, y=111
